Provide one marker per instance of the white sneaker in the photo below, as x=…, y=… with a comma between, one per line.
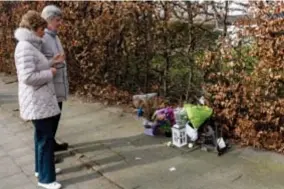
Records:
x=54, y=185
x=57, y=171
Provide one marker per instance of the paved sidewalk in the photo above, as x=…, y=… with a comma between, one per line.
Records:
x=109, y=151
x=17, y=161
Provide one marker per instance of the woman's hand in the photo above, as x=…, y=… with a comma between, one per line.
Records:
x=58, y=59
x=53, y=70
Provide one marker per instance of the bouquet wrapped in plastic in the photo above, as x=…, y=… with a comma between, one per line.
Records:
x=153, y=120
x=198, y=114
x=165, y=120
x=180, y=116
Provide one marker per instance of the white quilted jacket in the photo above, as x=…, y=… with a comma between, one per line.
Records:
x=37, y=99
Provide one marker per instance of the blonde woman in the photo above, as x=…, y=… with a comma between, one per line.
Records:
x=37, y=99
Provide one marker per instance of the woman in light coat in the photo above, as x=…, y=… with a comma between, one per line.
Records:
x=37, y=99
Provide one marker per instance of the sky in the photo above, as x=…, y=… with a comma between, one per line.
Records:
x=232, y=6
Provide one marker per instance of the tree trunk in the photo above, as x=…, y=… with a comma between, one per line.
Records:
x=191, y=48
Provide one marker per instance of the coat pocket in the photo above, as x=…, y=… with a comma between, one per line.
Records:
x=45, y=90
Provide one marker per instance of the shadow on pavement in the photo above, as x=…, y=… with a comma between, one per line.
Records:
x=5, y=98
x=111, y=155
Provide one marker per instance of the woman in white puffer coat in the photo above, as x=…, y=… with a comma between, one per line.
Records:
x=37, y=99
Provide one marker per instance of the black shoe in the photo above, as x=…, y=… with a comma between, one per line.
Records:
x=57, y=160
x=61, y=147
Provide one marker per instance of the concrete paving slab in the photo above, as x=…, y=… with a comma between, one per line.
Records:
x=14, y=144
x=19, y=127
x=26, y=186
x=73, y=108
x=28, y=169
x=8, y=167
x=20, y=152
x=2, y=152
x=25, y=160
x=14, y=181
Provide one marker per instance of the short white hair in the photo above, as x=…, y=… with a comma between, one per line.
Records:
x=51, y=11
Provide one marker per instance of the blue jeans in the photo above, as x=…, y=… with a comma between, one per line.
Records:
x=44, y=149
x=57, y=122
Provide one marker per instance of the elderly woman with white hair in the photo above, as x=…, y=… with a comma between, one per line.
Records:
x=51, y=47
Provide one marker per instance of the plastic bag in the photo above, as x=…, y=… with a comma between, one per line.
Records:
x=221, y=143
x=198, y=114
x=191, y=132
